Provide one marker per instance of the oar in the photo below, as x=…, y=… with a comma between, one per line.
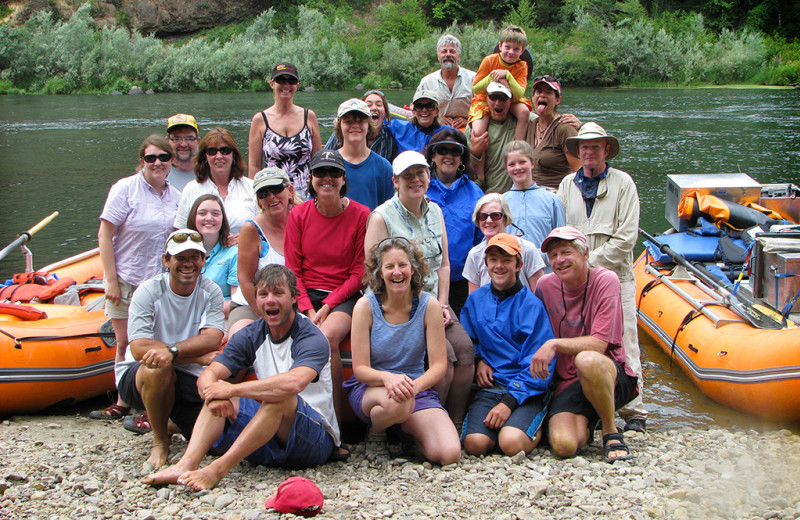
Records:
x=750, y=311
x=26, y=235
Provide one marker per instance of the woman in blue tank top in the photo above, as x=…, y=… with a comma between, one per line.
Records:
x=394, y=327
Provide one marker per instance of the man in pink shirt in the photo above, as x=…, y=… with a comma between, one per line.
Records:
x=592, y=379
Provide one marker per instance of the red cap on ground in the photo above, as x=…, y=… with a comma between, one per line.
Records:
x=297, y=495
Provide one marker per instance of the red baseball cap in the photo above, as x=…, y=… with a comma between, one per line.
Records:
x=564, y=233
x=296, y=495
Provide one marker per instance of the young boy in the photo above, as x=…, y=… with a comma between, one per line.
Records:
x=505, y=67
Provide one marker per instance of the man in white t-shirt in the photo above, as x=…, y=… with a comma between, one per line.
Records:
x=285, y=417
x=182, y=133
x=175, y=326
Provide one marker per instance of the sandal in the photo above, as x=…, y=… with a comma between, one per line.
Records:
x=339, y=454
x=615, y=442
x=138, y=424
x=376, y=448
x=114, y=412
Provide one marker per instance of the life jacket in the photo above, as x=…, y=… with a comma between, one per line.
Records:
x=34, y=287
x=723, y=212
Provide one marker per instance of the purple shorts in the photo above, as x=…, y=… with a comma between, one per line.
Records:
x=355, y=395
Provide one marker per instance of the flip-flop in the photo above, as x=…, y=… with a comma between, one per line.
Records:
x=617, y=443
x=138, y=424
x=114, y=412
x=339, y=454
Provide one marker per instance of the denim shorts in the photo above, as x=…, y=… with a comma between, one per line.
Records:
x=528, y=417
x=309, y=443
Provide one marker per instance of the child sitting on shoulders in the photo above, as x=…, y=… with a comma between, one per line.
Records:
x=505, y=67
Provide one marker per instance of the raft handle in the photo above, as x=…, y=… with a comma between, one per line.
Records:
x=91, y=349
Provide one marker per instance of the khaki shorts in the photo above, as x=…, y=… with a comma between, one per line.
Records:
x=120, y=312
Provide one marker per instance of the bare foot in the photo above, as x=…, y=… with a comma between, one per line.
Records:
x=158, y=455
x=166, y=476
x=205, y=478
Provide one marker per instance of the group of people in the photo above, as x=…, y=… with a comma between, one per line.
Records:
x=500, y=256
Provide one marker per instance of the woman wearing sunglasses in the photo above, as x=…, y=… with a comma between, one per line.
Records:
x=409, y=214
x=207, y=217
x=451, y=189
x=424, y=122
x=324, y=246
x=134, y=225
x=284, y=135
x=220, y=171
x=492, y=215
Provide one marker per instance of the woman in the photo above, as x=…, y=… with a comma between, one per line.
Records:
x=548, y=134
x=134, y=225
x=492, y=215
x=425, y=121
x=382, y=143
x=394, y=328
x=369, y=175
x=284, y=135
x=451, y=189
x=324, y=246
x=261, y=241
x=220, y=170
x=410, y=215
x=207, y=216
x=536, y=211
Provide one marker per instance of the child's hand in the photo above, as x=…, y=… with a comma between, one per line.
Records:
x=499, y=75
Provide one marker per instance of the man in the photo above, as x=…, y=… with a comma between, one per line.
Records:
x=175, y=327
x=602, y=202
x=182, y=134
x=591, y=378
x=507, y=324
x=486, y=150
x=452, y=83
x=286, y=416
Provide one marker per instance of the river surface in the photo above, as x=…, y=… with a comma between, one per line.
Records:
x=62, y=153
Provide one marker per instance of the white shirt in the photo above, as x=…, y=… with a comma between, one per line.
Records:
x=240, y=204
x=455, y=103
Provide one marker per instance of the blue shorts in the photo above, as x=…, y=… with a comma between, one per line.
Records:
x=355, y=391
x=309, y=443
x=528, y=417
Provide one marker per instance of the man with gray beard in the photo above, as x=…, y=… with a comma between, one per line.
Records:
x=452, y=83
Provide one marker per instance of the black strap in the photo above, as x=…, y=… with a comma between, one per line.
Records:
x=265, y=120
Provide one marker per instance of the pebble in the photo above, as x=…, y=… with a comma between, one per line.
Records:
x=59, y=464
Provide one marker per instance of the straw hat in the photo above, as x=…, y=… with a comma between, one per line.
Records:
x=589, y=131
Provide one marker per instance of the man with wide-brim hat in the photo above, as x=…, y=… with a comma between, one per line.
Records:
x=603, y=203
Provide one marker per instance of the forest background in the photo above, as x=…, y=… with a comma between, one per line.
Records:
x=337, y=44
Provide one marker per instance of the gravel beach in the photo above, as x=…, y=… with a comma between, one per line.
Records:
x=71, y=467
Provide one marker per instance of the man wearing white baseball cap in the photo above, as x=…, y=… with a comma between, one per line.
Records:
x=603, y=203
x=175, y=327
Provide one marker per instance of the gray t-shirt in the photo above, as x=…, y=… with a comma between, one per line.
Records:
x=180, y=178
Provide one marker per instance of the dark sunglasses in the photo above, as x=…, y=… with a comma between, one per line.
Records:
x=498, y=97
x=151, y=158
x=282, y=80
x=180, y=238
x=224, y=150
x=424, y=106
x=333, y=173
x=444, y=150
x=546, y=78
x=494, y=215
x=264, y=192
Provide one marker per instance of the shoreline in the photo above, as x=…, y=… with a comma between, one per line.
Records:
x=68, y=466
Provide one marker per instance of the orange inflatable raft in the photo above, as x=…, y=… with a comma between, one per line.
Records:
x=55, y=355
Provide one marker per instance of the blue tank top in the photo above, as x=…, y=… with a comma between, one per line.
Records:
x=399, y=349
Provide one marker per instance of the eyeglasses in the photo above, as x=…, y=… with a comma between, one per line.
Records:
x=264, y=192
x=494, y=215
x=151, y=158
x=546, y=78
x=180, y=238
x=333, y=173
x=224, y=150
x=454, y=152
x=282, y=80
x=498, y=97
x=187, y=140
x=424, y=106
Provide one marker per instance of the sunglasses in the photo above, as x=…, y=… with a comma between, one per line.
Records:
x=333, y=173
x=180, y=238
x=444, y=150
x=424, y=106
x=282, y=80
x=151, y=158
x=494, y=215
x=183, y=139
x=264, y=192
x=498, y=97
x=546, y=78
x=224, y=150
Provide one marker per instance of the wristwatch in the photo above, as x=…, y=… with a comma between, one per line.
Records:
x=174, y=351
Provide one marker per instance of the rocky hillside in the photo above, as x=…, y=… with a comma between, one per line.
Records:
x=163, y=17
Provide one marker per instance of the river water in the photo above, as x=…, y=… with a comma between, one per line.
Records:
x=62, y=153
